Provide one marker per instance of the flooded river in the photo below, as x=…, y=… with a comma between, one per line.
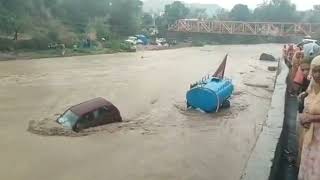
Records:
x=159, y=138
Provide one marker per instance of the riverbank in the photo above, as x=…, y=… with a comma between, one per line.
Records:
x=40, y=54
x=55, y=53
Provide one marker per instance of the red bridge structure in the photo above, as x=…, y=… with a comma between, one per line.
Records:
x=244, y=28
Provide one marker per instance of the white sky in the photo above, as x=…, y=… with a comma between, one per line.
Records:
x=228, y=4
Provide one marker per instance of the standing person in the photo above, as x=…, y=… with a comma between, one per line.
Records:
x=290, y=54
x=63, y=49
x=310, y=119
x=301, y=84
x=296, y=60
x=300, y=80
x=284, y=52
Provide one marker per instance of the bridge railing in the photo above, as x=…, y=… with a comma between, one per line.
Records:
x=245, y=28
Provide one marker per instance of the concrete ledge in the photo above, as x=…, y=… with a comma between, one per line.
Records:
x=264, y=157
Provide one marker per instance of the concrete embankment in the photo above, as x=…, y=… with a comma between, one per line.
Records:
x=267, y=155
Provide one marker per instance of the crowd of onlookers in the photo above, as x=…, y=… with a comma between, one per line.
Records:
x=304, y=82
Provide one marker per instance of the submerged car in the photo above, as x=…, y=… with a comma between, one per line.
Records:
x=92, y=113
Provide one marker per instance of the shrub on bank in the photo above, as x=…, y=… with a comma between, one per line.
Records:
x=113, y=44
x=197, y=43
x=42, y=42
x=83, y=50
x=6, y=44
x=117, y=45
x=36, y=43
x=127, y=47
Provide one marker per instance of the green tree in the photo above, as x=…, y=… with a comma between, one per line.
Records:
x=16, y=25
x=125, y=16
x=100, y=27
x=222, y=15
x=78, y=13
x=240, y=12
x=173, y=12
x=14, y=16
x=276, y=10
x=198, y=13
x=176, y=10
x=315, y=15
x=147, y=20
x=161, y=25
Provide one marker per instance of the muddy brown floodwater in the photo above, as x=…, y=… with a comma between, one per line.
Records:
x=159, y=138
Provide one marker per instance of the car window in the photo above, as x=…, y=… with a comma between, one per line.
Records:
x=88, y=117
x=99, y=113
x=96, y=114
x=103, y=111
x=86, y=120
x=106, y=108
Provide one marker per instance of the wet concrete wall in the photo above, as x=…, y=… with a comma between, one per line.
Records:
x=266, y=155
x=287, y=150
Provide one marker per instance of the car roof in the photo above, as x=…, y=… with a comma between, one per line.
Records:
x=89, y=106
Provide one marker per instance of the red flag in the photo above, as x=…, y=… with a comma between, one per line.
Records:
x=220, y=72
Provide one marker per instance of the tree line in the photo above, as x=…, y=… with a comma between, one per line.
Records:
x=69, y=21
